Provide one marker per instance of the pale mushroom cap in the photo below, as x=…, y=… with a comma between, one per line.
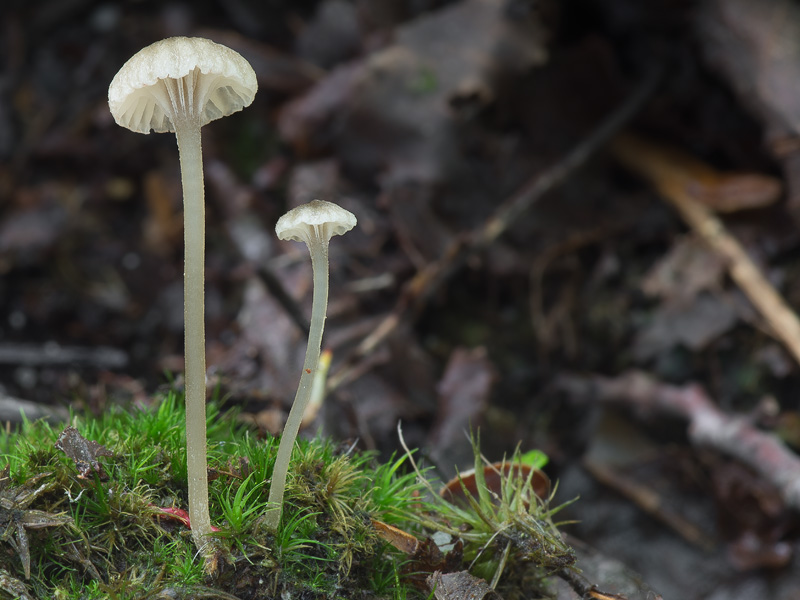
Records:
x=317, y=218
x=213, y=80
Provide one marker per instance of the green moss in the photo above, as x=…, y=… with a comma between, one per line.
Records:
x=94, y=525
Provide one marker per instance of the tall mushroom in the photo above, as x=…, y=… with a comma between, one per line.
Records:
x=315, y=224
x=178, y=85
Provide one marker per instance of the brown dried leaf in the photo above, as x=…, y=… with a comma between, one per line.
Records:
x=396, y=105
x=460, y=586
x=17, y=517
x=397, y=113
x=268, y=353
x=732, y=192
x=463, y=396
x=671, y=168
x=13, y=586
x=39, y=519
x=690, y=267
x=405, y=542
x=756, y=46
x=694, y=325
x=83, y=452
x=429, y=559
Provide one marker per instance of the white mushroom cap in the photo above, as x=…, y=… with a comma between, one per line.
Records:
x=318, y=218
x=180, y=77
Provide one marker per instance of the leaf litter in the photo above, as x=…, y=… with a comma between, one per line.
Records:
x=428, y=120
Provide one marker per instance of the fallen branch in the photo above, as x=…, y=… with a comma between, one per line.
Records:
x=708, y=425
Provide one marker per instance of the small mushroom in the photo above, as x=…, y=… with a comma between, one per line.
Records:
x=178, y=85
x=315, y=224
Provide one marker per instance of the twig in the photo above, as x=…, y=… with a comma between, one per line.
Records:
x=669, y=177
x=708, y=426
x=289, y=304
x=544, y=325
x=649, y=501
x=245, y=228
x=427, y=281
x=53, y=354
x=587, y=590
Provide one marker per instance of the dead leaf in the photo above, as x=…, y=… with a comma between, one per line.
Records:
x=676, y=182
x=694, y=325
x=396, y=115
x=13, y=586
x=460, y=586
x=397, y=103
x=690, y=267
x=268, y=353
x=671, y=168
x=269, y=420
x=751, y=515
x=598, y=595
x=83, y=452
x=428, y=559
x=405, y=542
x=463, y=396
x=16, y=517
x=755, y=46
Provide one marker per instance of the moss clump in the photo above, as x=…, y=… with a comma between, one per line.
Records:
x=97, y=511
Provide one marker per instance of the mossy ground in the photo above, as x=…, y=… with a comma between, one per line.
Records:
x=84, y=517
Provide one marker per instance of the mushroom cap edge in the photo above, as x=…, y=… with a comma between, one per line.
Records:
x=175, y=58
x=297, y=223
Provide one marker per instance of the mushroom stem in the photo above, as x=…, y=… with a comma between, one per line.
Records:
x=318, y=248
x=180, y=84
x=190, y=151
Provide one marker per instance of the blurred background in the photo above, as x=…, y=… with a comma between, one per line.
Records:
x=427, y=119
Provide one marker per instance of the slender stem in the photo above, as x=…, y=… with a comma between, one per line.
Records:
x=319, y=265
x=190, y=150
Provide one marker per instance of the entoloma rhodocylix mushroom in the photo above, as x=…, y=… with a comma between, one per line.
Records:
x=180, y=84
x=315, y=224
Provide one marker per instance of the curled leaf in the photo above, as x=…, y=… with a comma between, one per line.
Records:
x=83, y=452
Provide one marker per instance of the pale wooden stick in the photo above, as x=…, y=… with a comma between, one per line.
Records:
x=675, y=185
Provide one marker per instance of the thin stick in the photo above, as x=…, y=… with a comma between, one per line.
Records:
x=649, y=501
x=648, y=160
